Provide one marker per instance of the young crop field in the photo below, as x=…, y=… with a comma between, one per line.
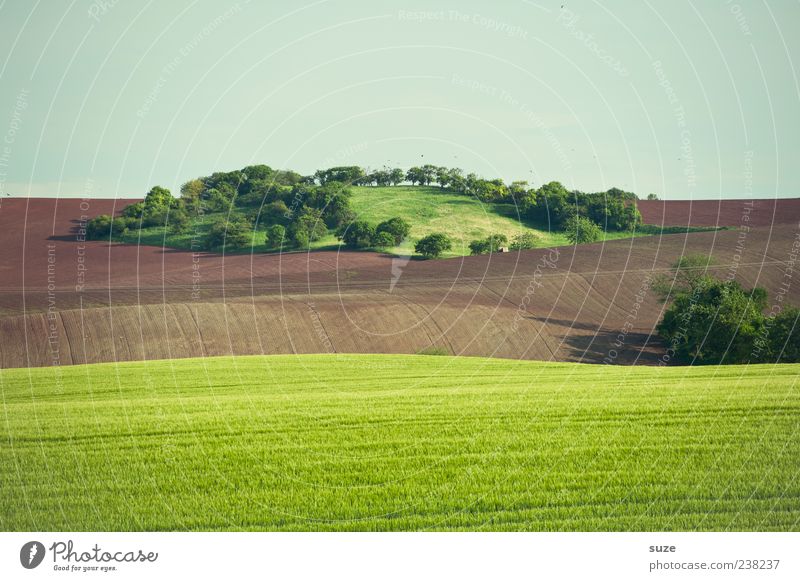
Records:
x=341, y=442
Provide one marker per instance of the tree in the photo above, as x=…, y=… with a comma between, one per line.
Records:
x=397, y=228
x=686, y=272
x=275, y=236
x=346, y=174
x=99, y=228
x=416, y=175
x=716, y=322
x=442, y=177
x=433, y=245
x=234, y=233
x=383, y=240
x=178, y=220
x=783, y=338
x=488, y=245
x=581, y=230
x=524, y=241
x=552, y=204
x=652, y=196
x=310, y=221
x=359, y=234
x=396, y=176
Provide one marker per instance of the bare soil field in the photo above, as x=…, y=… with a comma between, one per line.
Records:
x=734, y=213
x=84, y=302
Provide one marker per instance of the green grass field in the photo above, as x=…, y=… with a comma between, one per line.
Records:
x=334, y=442
x=428, y=209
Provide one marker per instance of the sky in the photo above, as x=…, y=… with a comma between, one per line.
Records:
x=688, y=100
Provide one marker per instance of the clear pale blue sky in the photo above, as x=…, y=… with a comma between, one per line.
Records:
x=108, y=99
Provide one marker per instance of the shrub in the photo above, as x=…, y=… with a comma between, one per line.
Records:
x=359, y=234
x=275, y=236
x=99, y=227
x=686, y=271
x=716, y=322
x=581, y=230
x=433, y=245
x=524, y=241
x=488, y=244
x=396, y=227
x=383, y=240
x=234, y=233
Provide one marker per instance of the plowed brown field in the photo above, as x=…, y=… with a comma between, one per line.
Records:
x=74, y=302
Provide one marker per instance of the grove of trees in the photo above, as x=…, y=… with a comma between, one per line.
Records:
x=712, y=321
x=311, y=207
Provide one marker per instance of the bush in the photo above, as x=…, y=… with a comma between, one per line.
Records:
x=581, y=230
x=383, y=240
x=275, y=236
x=716, y=322
x=359, y=234
x=488, y=245
x=433, y=245
x=233, y=234
x=99, y=228
x=686, y=271
x=396, y=227
x=524, y=241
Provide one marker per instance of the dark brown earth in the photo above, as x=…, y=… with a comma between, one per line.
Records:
x=565, y=304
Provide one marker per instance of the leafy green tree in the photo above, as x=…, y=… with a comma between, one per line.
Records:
x=783, y=338
x=358, y=234
x=383, y=240
x=416, y=175
x=99, y=228
x=396, y=176
x=310, y=221
x=433, y=245
x=441, y=176
x=349, y=174
x=652, y=196
x=276, y=235
x=716, y=322
x=581, y=230
x=524, y=241
x=552, y=204
x=178, y=220
x=455, y=179
x=397, y=228
x=228, y=234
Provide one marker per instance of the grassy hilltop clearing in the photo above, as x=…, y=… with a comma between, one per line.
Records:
x=427, y=208
x=429, y=211
x=338, y=442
